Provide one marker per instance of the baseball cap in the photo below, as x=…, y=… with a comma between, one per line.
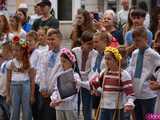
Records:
x=44, y=2
x=23, y=5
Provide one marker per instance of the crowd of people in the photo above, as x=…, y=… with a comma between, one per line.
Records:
x=111, y=72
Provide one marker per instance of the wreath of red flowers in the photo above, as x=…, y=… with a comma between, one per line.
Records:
x=16, y=40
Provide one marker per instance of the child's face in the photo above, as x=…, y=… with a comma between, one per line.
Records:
x=42, y=36
x=21, y=16
x=31, y=42
x=53, y=41
x=65, y=63
x=137, y=21
x=140, y=41
x=98, y=44
x=80, y=19
x=110, y=60
x=17, y=52
x=88, y=46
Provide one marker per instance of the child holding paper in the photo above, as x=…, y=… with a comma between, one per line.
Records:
x=66, y=109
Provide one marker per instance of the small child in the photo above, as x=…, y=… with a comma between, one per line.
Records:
x=42, y=36
x=33, y=41
x=144, y=62
x=66, y=109
x=48, y=67
x=34, y=53
x=20, y=81
x=84, y=54
x=113, y=84
x=6, y=55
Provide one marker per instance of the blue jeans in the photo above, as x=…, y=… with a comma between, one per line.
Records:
x=107, y=114
x=143, y=107
x=86, y=104
x=20, y=95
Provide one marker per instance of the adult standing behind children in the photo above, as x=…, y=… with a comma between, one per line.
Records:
x=23, y=19
x=83, y=23
x=109, y=23
x=123, y=14
x=47, y=19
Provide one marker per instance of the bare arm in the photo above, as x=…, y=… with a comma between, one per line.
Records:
x=8, y=84
x=32, y=74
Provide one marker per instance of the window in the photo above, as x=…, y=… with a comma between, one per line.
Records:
x=112, y=5
x=65, y=9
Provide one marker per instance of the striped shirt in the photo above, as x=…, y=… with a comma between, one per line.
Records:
x=112, y=86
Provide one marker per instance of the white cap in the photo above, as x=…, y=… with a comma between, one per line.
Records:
x=23, y=5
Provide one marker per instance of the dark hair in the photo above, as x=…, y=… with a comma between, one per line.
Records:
x=6, y=24
x=17, y=19
x=66, y=57
x=52, y=31
x=138, y=12
x=3, y=2
x=139, y=31
x=86, y=36
x=154, y=21
x=129, y=19
x=156, y=40
x=74, y=65
x=142, y=5
x=25, y=60
x=157, y=36
x=23, y=12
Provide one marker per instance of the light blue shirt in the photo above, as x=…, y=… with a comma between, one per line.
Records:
x=129, y=38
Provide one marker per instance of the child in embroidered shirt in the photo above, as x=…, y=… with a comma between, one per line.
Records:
x=144, y=62
x=33, y=41
x=66, y=109
x=114, y=82
x=20, y=81
x=84, y=54
x=6, y=55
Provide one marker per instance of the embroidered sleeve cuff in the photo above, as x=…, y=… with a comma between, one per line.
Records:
x=55, y=96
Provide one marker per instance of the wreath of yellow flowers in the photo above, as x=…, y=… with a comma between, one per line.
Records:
x=115, y=51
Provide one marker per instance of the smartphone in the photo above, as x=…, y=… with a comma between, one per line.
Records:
x=96, y=16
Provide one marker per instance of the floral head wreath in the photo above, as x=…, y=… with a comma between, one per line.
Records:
x=18, y=41
x=114, y=51
x=69, y=54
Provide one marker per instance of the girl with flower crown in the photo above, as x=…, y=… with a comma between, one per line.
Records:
x=113, y=83
x=20, y=81
x=66, y=109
